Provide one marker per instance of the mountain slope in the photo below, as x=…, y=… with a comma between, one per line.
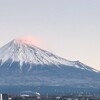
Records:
x=25, y=53
x=23, y=64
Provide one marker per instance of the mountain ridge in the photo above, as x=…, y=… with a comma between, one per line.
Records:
x=21, y=51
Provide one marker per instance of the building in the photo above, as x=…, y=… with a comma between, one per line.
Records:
x=3, y=97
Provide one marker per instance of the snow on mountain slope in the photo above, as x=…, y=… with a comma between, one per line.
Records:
x=21, y=51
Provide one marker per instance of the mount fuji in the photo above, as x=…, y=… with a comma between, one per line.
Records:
x=23, y=64
x=23, y=53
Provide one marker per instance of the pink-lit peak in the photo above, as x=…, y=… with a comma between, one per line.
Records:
x=26, y=40
x=30, y=40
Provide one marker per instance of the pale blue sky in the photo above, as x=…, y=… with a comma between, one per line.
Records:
x=68, y=28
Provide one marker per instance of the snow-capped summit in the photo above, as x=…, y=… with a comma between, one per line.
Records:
x=23, y=51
